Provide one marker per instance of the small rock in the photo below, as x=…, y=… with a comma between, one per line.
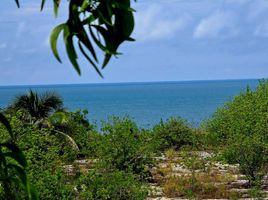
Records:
x=239, y=184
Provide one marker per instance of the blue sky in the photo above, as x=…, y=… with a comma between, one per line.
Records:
x=176, y=40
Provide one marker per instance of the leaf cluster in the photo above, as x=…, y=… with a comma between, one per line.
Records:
x=112, y=185
x=174, y=133
x=13, y=166
x=93, y=23
x=124, y=148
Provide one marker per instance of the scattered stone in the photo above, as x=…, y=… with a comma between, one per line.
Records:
x=239, y=184
x=156, y=191
x=173, y=167
x=204, y=154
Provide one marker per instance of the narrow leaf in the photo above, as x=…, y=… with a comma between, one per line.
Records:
x=84, y=5
x=18, y=3
x=42, y=4
x=18, y=157
x=32, y=193
x=82, y=36
x=106, y=60
x=88, y=58
x=5, y=122
x=70, y=49
x=100, y=45
x=54, y=38
x=15, y=153
x=56, y=7
x=20, y=173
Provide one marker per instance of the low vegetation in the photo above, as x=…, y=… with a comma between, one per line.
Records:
x=70, y=158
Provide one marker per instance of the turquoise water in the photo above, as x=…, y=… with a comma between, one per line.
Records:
x=147, y=103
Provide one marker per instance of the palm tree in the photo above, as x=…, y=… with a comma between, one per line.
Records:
x=37, y=107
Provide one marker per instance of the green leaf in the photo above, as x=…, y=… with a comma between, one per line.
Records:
x=100, y=15
x=68, y=40
x=84, y=5
x=56, y=7
x=100, y=45
x=17, y=156
x=32, y=193
x=130, y=39
x=20, y=173
x=42, y=4
x=107, y=38
x=89, y=20
x=124, y=22
x=54, y=38
x=82, y=36
x=18, y=3
x=5, y=122
x=106, y=60
x=123, y=6
x=88, y=58
x=15, y=153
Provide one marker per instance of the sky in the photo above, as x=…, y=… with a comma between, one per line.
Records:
x=176, y=40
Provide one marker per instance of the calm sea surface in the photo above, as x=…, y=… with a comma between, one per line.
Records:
x=147, y=103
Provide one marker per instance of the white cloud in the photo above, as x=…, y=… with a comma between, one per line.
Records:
x=153, y=24
x=220, y=24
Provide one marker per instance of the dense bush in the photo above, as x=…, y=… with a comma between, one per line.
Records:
x=250, y=153
x=53, y=185
x=124, y=148
x=46, y=153
x=246, y=114
x=174, y=133
x=116, y=185
x=76, y=125
x=241, y=127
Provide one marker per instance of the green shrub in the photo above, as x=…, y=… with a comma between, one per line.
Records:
x=174, y=133
x=46, y=154
x=123, y=147
x=246, y=114
x=53, y=186
x=76, y=125
x=111, y=186
x=250, y=153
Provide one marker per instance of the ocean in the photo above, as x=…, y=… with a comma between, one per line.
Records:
x=146, y=103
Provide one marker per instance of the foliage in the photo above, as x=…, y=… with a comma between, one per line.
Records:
x=174, y=133
x=54, y=186
x=46, y=153
x=115, y=185
x=76, y=125
x=13, y=166
x=241, y=126
x=250, y=153
x=123, y=148
x=36, y=106
x=93, y=23
x=246, y=114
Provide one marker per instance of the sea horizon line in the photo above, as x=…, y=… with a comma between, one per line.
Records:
x=128, y=83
